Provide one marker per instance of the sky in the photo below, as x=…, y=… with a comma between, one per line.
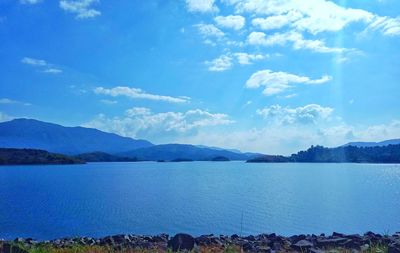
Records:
x=272, y=76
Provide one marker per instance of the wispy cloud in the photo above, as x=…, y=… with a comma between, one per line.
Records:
x=235, y=22
x=53, y=71
x=278, y=82
x=201, y=6
x=308, y=114
x=108, y=102
x=314, y=17
x=137, y=93
x=8, y=101
x=246, y=58
x=209, y=30
x=219, y=64
x=48, y=68
x=30, y=1
x=295, y=38
x=33, y=62
x=387, y=25
x=5, y=117
x=141, y=122
x=81, y=8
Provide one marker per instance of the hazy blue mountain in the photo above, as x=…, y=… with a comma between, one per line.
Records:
x=29, y=133
x=170, y=152
x=248, y=154
x=373, y=144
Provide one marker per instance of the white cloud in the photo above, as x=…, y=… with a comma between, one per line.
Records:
x=8, y=101
x=30, y=1
x=313, y=16
x=209, y=30
x=235, y=22
x=33, y=62
x=53, y=71
x=308, y=114
x=219, y=64
x=137, y=93
x=388, y=26
x=38, y=63
x=278, y=82
x=140, y=122
x=5, y=117
x=201, y=6
x=108, y=102
x=245, y=58
x=296, y=39
x=276, y=22
x=81, y=8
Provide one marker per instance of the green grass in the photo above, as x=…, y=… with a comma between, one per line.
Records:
x=46, y=248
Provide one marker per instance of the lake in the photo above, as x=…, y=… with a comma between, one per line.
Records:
x=99, y=199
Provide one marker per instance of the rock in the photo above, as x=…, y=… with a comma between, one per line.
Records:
x=19, y=240
x=181, y=242
x=337, y=234
x=248, y=247
x=316, y=250
x=296, y=238
x=350, y=243
x=250, y=238
x=394, y=248
x=8, y=248
x=234, y=237
x=302, y=245
x=263, y=249
x=364, y=247
x=329, y=242
x=276, y=246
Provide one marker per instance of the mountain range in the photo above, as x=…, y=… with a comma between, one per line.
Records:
x=373, y=144
x=96, y=145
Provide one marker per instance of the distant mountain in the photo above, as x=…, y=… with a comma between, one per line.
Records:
x=103, y=157
x=12, y=156
x=373, y=144
x=347, y=154
x=29, y=133
x=248, y=154
x=174, y=152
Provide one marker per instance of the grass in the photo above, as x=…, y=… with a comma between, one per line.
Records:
x=45, y=248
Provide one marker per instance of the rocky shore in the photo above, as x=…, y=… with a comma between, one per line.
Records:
x=268, y=243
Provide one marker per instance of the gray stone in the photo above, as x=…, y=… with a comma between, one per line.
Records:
x=316, y=250
x=302, y=245
x=181, y=242
x=394, y=248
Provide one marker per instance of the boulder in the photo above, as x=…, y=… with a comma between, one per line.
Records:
x=181, y=242
x=302, y=245
x=330, y=242
x=8, y=248
x=394, y=248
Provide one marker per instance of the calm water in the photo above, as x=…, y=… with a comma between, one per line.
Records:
x=98, y=199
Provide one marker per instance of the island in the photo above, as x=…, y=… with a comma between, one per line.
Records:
x=14, y=156
x=344, y=154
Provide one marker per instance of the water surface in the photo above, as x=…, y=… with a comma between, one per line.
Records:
x=99, y=199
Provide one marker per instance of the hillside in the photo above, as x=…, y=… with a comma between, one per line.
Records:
x=373, y=144
x=103, y=157
x=170, y=152
x=11, y=156
x=29, y=133
x=350, y=154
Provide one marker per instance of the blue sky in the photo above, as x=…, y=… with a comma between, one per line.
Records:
x=269, y=76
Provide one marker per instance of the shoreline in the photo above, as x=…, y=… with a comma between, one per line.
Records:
x=268, y=243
